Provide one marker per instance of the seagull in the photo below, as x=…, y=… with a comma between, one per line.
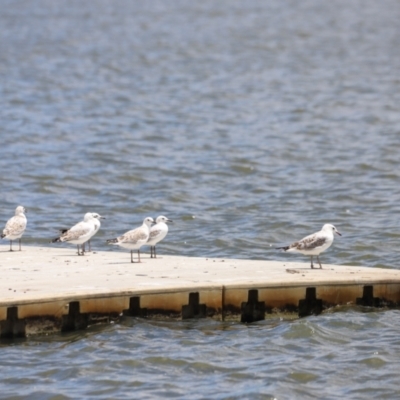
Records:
x=80, y=233
x=157, y=233
x=15, y=226
x=97, y=224
x=134, y=239
x=315, y=244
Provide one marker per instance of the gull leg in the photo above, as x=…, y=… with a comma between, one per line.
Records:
x=11, y=245
x=312, y=265
x=19, y=244
x=155, y=255
x=132, y=256
x=82, y=248
x=151, y=251
x=89, y=245
x=138, y=254
x=319, y=262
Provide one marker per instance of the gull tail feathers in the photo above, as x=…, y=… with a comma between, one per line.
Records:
x=284, y=248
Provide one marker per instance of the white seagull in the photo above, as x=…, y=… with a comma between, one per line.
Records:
x=15, y=227
x=97, y=225
x=157, y=233
x=315, y=244
x=134, y=239
x=80, y=233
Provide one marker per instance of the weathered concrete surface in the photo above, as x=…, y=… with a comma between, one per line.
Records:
x=44, y=281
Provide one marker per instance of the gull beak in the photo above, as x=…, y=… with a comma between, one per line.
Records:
x=338, y=233
x=169, y=220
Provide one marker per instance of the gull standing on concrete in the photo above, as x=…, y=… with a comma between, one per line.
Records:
x=315, y=244
x=157, y=233
x=15, y=227
x=79, y=233
x=97, y=225
x=134, y=239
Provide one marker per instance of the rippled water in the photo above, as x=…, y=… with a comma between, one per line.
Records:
x=250, y=124
x=321, y=357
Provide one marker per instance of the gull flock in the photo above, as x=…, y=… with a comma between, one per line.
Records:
x=150, y=233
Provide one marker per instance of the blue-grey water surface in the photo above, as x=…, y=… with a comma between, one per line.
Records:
x=250, y=124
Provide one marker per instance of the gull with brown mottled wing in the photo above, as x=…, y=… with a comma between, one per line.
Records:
x=315, y=244
x=134, y=239
x=15, y=227
x=80, y=233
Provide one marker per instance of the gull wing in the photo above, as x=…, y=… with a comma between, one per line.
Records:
x=78, y=230
x=15, y=226
x=133, y=236
x=310, y=242
x=73, y=235
x=154, y=233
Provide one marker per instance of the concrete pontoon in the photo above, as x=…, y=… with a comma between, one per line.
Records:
x=44, y=289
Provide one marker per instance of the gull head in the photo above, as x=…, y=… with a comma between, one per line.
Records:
x=149, y=221
x=88, y=216
x=97, y=216
x=331, y=228
x=161, y=218
x=20, y=210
